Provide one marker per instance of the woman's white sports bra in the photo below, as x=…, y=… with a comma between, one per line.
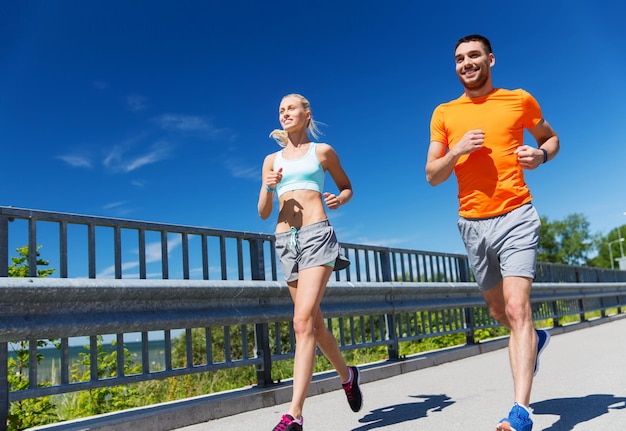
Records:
x=305, y=173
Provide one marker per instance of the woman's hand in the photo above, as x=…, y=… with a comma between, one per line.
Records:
x=274, y=177
x=332, y=201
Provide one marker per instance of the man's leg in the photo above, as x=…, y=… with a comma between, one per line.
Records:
x=509, y=303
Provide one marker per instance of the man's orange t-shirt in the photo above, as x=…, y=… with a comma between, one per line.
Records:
x=491, y=181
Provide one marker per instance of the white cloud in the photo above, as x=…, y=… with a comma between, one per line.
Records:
x=116, y=153
x=136, y=102
x=100, y=85
x=187, y=123
x=109, y=272
x=118, y=161
x=238, y=170
x=153, y=250
x=153, y=254
x=118, y=209
x=76, y=161
x=146, y=159
x=114, y=205
x=182, y=122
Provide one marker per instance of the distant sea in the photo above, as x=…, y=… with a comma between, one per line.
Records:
x=49, y=368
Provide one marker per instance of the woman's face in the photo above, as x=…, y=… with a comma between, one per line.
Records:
x=292, y=115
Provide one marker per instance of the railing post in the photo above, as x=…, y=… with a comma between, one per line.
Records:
x=4, y=246
x=4, y=386
x=464, y=271
x=257, y=259
x=555, y=314
x=470, y=318
x=4, y=347
x=32, y=247
x=470, y=325
x=261, y=330
x=263, y=370
x=393, y=349
x=581, y=308
x=385, y=266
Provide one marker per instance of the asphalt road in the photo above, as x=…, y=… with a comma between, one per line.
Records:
x=581, y=386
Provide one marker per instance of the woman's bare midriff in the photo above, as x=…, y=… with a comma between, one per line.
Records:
x=299, y=208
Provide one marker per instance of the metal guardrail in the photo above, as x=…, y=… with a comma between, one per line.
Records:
x=119, y=276
x=146, y=250
x=81, y=246
x=385, y=313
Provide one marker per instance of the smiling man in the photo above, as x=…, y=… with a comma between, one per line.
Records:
x=480, y=136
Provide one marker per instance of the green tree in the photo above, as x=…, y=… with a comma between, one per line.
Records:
x=30, y=412
x=106, y=399
x=602, y=243
x=19, y=265
x=567, y=241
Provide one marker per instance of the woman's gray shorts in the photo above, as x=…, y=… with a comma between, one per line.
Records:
x=502, y=246
x=312, y=245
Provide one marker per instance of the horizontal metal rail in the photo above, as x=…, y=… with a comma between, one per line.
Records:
x=37, y=308
x=55, y=308
x=81, y=246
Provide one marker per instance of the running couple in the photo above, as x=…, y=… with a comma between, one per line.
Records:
x=479, y=136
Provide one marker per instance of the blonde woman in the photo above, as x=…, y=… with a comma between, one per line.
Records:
x=306, y=243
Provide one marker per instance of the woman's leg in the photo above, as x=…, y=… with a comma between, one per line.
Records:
x=329, y=347
x=307, y=293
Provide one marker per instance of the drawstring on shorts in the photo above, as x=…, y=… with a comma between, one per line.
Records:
x=294, y=242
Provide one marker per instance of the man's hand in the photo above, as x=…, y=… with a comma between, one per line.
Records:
x=472, y=141
x=529, y=157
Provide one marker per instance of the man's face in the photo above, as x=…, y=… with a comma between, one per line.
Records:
x=473, y=64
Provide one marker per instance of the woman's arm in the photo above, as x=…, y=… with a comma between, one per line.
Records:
x=330, y=162
x=269, y=180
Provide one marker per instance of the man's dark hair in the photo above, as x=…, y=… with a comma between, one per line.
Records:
x=475, y=38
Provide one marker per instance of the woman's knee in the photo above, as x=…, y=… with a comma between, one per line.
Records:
x=303, y=325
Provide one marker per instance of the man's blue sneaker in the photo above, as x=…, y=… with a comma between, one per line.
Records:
x=543, y=338
x=518, y=420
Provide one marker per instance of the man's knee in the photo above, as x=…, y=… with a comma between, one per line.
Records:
x=518, y=311
x=497, y=313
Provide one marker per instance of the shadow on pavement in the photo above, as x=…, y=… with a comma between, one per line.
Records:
x=404, y=412
x=574, y=411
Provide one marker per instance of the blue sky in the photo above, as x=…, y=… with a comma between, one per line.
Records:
x=161, y=110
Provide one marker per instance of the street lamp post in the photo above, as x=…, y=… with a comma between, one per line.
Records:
x=621, y=245
x=622, y=259
x=621, y=240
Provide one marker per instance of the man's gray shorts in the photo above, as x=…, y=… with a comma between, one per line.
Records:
x=502, y=246
x=312, y=245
